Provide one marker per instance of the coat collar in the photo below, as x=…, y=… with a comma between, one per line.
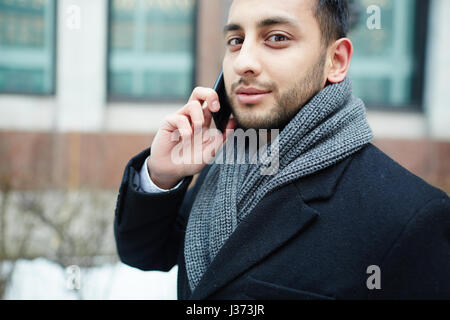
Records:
x=279, y=216
x=322, y=185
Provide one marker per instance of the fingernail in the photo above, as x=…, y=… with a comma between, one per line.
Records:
x=215, y=105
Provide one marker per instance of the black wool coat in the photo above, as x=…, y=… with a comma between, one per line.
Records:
x=316, y=238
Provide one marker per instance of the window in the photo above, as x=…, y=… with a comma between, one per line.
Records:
x=387, y=64
x=27, y=42
x=152, y=49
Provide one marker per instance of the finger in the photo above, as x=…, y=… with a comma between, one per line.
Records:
x=181, y=123
x=207, y=95
x=231, y=125
x=200, y=116
x=212, y=147
x=194, y=111
x=207, y=116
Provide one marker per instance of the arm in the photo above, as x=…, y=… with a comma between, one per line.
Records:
x=145, y=224
x=149, y=227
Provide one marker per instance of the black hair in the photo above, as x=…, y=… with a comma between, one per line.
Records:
x=334, y=19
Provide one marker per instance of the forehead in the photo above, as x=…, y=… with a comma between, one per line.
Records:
x=249, y=11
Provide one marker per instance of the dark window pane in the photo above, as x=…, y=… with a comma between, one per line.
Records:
x=151, y=52
x=27, y=46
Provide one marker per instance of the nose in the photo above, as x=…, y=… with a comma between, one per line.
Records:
x=247, y=63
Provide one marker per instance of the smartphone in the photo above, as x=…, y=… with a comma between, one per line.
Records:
x=223, y=115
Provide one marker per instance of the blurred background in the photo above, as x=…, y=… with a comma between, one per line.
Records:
x=85, y=84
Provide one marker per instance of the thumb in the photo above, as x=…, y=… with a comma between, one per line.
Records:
x=219, y=140
x=231, y=125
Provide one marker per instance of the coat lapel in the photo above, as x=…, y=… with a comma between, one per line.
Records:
x=278, y=217
x=275, y=219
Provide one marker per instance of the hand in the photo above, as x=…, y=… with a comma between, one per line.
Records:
x=167, y=165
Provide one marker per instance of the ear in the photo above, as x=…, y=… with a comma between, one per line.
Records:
x=340, y=54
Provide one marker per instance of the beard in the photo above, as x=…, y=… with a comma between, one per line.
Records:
x=288, y=102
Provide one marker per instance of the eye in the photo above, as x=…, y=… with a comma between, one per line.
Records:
x=235, y=41
x=278, y=38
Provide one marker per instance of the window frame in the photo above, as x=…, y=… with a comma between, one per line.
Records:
x=421, y=19
x=144, y=101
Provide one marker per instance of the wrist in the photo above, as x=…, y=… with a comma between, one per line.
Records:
x=164, y=183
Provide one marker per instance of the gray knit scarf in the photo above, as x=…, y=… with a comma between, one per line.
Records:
x=329, y=128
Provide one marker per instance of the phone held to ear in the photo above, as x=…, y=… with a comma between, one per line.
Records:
x=223, y=115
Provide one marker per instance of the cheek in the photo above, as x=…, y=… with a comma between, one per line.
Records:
x=291, y=66
x=283, y=69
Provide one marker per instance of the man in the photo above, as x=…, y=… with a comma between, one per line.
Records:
x=337, y=220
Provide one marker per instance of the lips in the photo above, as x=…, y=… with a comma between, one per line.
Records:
x=251, y=95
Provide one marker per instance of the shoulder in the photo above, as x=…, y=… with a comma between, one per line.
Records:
x=412, y=220
x=380, y=177
x=379, y=194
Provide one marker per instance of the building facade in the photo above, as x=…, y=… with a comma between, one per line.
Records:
x=84, y=85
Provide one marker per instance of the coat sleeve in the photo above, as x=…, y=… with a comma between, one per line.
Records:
x=418, y=264
x=148, y=226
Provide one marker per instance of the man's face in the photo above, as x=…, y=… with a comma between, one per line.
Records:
x=274, y=60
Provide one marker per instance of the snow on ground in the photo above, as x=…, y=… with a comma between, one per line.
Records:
x=43, y=279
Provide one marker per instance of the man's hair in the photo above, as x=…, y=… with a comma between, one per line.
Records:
x=334, y=19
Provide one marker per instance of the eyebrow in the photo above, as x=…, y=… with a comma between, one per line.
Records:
x=262, y=24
